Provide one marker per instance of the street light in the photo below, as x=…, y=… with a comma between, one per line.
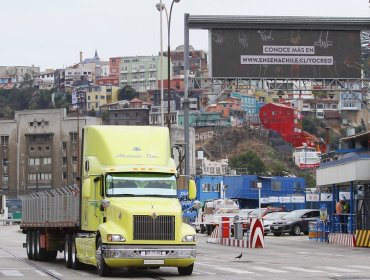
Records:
x=160, y=6
x=259, y=187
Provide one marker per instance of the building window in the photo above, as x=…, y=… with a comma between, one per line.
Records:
x=64, y=175
x=64, y=160
x=217, y=187
x=74, y=160
x=276, y=186
x=206, y=187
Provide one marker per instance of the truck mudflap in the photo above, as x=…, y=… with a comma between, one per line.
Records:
x=148, y=252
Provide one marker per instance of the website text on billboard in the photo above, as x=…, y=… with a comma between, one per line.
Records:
x=286, y=53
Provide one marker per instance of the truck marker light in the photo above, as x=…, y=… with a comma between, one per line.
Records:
x=115, y=238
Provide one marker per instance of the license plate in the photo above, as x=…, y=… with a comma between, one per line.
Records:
x=153, y=253
x=276, y=227
x=153, y=261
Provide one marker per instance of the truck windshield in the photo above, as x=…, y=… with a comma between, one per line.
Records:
x=140, y=185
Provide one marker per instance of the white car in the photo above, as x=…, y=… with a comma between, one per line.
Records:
x=269, y=218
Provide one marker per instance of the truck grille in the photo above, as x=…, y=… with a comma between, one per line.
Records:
x=154, y=228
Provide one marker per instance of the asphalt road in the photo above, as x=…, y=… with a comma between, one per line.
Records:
x=284, y=257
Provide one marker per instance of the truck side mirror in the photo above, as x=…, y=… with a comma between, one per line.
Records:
x=192, y=190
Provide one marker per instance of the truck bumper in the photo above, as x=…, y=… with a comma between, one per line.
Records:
x=126, y=256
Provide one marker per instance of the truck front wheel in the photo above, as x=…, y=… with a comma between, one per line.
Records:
x=102, y=268
x=187, y=270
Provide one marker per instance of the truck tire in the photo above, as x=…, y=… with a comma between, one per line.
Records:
x=34, y=250
x=68, y=250
x=76, y=264
x=187, y=270
x=29, y=245
x=39, y=252
x=102, y=268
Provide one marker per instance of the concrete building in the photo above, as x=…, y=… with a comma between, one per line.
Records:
x=39, y=150
x=142, y=72
x=18, y=73
x=45, y=80
x=198, y=61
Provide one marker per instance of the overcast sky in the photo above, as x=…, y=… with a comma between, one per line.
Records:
x=51, y=34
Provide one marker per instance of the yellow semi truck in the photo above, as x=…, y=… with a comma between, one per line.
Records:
x=124, y=213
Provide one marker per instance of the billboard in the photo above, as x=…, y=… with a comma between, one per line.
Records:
x=286, y=53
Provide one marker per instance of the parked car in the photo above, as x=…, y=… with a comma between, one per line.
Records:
x=269, y=218
x=295, y=222
x=264, y=211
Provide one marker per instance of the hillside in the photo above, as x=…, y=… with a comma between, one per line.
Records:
x=230, y=142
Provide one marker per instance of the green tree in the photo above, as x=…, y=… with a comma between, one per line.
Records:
x=126, y=93
x=278, y=169
x=249, y=160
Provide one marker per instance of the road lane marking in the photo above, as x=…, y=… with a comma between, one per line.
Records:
x=11, y=273
x=228, y=269
x=40, y=272
x=301, y=269
x=262, y=268
x=359, y=266
x=338, y=269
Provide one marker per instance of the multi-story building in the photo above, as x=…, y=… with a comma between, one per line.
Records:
x=40, y=150
x=18, y=73
x=198, y=61
x=45, y=80
x=142, y=72
x=92, y=98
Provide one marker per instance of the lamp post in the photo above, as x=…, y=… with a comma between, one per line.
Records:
x=160, y=6
x=259, y=187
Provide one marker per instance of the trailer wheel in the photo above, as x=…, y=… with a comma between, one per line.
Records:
x=102, y=268
x=76, y=264
x=40, y=253
x=29, y=245
x=34, y=249
x=68, y=250
x=187, y=270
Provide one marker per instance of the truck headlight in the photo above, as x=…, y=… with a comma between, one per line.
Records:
x=189, y=238
x=115, y=238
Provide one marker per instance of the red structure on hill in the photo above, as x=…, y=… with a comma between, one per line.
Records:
x=287, y=121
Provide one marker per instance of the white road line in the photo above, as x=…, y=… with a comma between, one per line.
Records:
x=228, y=269
x=301, y=269
x=40, y=272
x=263, y=268
x=11, y=273
x=338, y=269
x=359, y=266
x=203, y=272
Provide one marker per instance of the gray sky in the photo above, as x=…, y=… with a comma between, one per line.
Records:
x=51, y=34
